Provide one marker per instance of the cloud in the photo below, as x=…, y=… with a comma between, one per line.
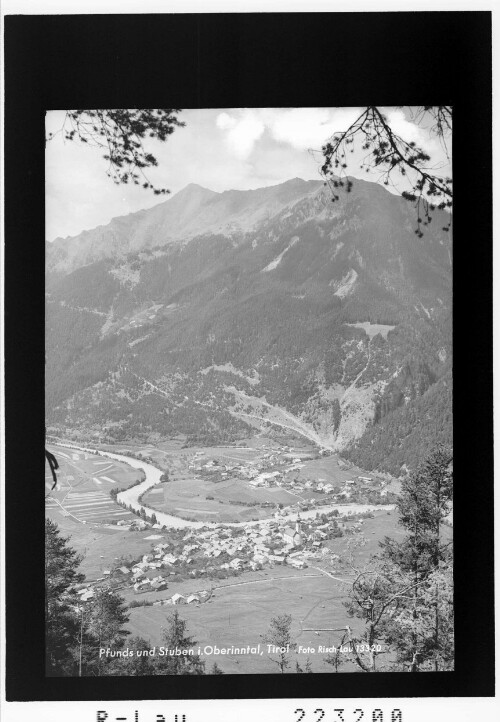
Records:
x=242, y=132
x=225, y=121
x=218, y=148
x=305, y=128
x=409, y=131
x=300, y=128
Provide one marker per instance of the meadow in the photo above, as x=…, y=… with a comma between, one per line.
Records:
x=239, y=615
x=209, y=501
x=241, y=608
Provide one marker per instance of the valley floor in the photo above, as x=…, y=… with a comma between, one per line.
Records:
x=236, y=610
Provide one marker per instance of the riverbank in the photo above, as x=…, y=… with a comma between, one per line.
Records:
x=130, y=497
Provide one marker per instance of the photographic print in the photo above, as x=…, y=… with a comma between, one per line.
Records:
x=248, y=391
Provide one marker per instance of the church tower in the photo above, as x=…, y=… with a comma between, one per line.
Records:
x=297, y=525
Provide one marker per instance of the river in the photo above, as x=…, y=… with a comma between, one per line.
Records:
x=130, y=497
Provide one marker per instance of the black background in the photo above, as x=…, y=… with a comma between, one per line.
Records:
x=248, y=60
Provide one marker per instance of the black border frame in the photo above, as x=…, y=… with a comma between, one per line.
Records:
x=248, y=60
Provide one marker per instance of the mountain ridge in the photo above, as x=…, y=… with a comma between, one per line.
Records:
x=341, y=311
x=171, y=221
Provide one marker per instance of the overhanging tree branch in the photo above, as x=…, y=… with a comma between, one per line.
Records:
x=390, y=153
x=120, y=133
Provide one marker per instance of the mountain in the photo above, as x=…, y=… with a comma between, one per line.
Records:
x=191, y=212
x=213, y=314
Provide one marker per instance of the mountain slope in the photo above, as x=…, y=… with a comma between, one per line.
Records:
x=191, y=212
x=214, y=310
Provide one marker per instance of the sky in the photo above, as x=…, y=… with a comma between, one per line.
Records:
x=220, y=149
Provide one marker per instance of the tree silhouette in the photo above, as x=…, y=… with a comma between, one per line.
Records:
x=405, y=595
x=120, y=133
x=279, y=636
x=61, y=576
x=175, y=637
x=389, y=153
x=105, y=618
x=424, y=503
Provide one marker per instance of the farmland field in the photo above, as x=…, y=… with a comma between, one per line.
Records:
x=190, y=496
x=239, y=615
x=327, y=470
x=81, y=505
x=372, y=329
x=242, y=607
x=100, y=545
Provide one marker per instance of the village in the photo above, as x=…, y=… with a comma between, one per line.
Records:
x=211, y=554
x=301, y=511
x=266, y=475
x=292, y=476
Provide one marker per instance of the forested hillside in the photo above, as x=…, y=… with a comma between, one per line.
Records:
x=213, y=311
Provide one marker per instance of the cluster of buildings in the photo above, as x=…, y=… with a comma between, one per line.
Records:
x=362, y=485
x=219, y=549
x=271, y=469
x=224, y=549
x=250, y=471
x=274, y=468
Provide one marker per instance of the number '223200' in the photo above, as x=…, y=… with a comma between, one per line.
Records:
x=345, y=715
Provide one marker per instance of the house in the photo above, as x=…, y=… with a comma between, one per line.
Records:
x=158, y=583
x=293, y=537
x=259, y=559
x=142, y=586
x=178, y=599
x=193, y=598
x=296, y=563
x=318, y=535
x=124, y=570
